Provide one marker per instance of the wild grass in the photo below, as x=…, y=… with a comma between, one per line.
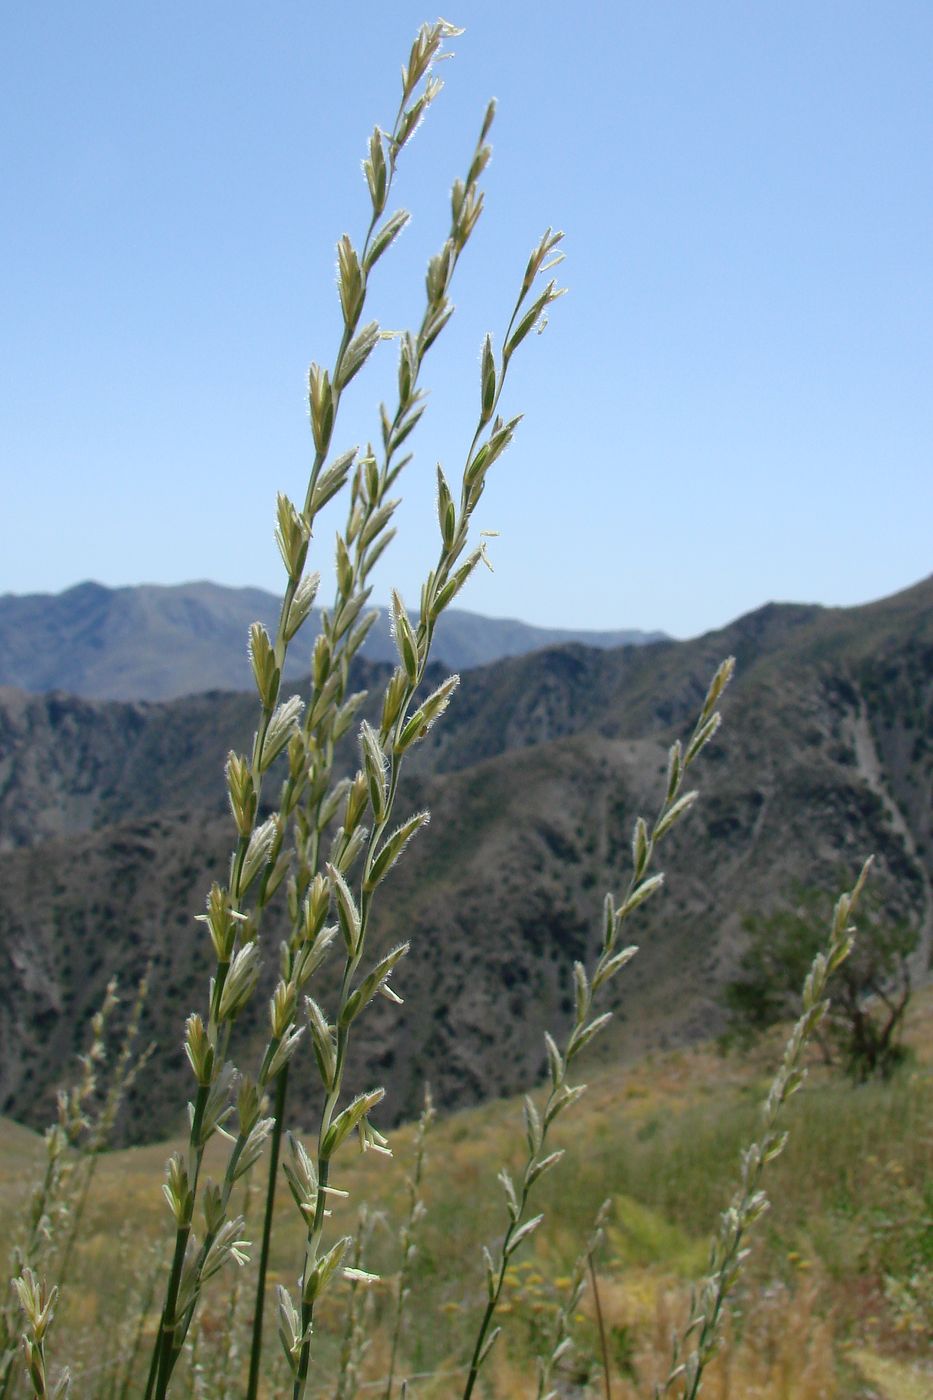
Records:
x=661, y=1139
x=252, y=1204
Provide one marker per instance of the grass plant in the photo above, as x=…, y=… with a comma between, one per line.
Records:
x=285, y=850
x=321, y=845
x=45, y=1239
x=818, y=1297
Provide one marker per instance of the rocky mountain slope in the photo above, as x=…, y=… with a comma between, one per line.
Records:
x=153, y=643
x=114, y=823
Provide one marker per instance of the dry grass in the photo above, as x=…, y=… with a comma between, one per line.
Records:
x=813, y=1317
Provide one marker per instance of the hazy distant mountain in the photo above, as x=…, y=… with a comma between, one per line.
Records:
x=115, y=821
x=155, y=643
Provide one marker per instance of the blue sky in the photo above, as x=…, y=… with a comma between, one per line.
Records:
x=732, y=405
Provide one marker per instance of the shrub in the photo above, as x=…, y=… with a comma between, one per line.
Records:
x=871, y=989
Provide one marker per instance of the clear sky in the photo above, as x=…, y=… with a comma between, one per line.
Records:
x=733, y=404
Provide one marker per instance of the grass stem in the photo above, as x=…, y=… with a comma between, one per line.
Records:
x=255, y=1355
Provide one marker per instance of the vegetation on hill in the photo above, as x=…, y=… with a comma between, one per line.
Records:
x=871, y=990
x=533, y=778
x=837, y=1303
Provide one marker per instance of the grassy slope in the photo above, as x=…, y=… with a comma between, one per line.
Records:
x=839, y=1290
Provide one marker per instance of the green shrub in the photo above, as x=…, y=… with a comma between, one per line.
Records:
x=871, y=990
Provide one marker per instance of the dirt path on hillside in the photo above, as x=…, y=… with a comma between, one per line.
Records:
x=869, y=768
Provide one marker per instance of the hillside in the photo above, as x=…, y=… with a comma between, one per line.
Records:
x=660, y=1140
x=154, y=643
x=116, y=813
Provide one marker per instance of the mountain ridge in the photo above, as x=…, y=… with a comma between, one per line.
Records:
x=115, y=819
x=160, y=642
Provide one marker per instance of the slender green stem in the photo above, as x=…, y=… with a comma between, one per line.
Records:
x=317, y=1227
x=492, y=1303
x=164, y=1347
x=255, y=1357
x=77, y=1217
x=350, y=1345
x=307, y=1308
x=603, y=1347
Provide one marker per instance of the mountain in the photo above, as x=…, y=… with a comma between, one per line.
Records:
x=114, y=823
x=154, y=643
